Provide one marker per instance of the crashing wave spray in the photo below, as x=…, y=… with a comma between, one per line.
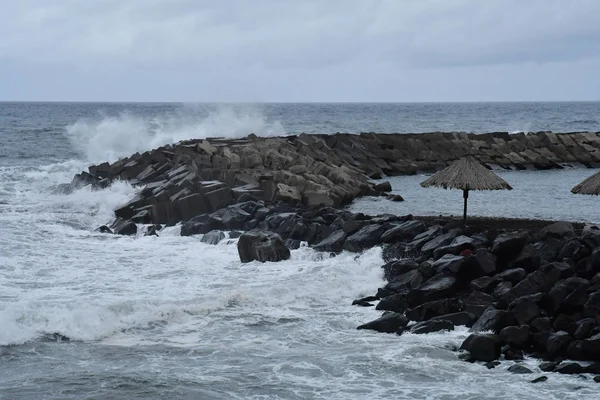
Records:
x=110, y=137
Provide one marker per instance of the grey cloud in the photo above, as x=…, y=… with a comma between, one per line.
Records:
x=273, y=49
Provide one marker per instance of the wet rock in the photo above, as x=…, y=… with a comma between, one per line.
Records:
x=103, y=229
x=538, y=281
x=514, y=275
x=213, y=237
x=388, y=323
x=450, y=264
x=123, y=227
x=519, y=369
x=362, y=303
x=432, y=326
x=404, y=231
x=383, y=187
x=333, y=243
x=395, y=197
x=437, y=287
x=539, y=379
x=542, y=324
x=395, y=268
x=511, y=353
x=484, y=284
x=508, y=246
x=559, y=229
x=482, y=346
x=195, y=225
x=485, y=262
x=365, y=238
x=583, y=328
x=439, y=241
x=404, y=282
x=549, y=366
x=461, y=318
x=525, y=309
x=433, y=309
x=568, y=295
x=569, y=368
x=478, y=302
x=557, y=343
x=516, y=336
x=493, y=320
x=262, y=246
x=152, y=230
x=396, y=302
x=234, y=217
x=492, y=364
x=393, y=251
x=424, y=237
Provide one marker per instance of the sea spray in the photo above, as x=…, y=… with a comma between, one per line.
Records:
x=108, y=137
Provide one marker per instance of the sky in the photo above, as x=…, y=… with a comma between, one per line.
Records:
x=299, y=50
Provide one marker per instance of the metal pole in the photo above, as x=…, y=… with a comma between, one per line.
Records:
x=465, y=196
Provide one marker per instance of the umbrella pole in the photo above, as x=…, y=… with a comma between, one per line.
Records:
x=465, y=196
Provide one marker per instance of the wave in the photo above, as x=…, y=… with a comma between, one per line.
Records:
x=109, y=137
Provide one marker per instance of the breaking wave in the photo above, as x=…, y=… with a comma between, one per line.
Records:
x=109, y=137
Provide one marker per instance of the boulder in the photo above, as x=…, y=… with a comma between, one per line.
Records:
x=365, y=238
x=462, y=318
x=557, y=343
x=485, y=262
x=234, y=217
x=388, y=323
x=482, y=346
x=424, y=237
x=559, y=229
x=438, y=287
x=433, y=309
x=405, y=282
x=525, y=309
x=395, y=302
x=539, y=379
x=332, y=243
x=513, y=275
x=432, y=326
x=262, y=246
x=213, y=237
x=439, y=241
x=385, y=186
x=195, y=225
x=395, y=268
x=493, y=320
x=519, y=369
x=404, y=231
x=583, y=328
x=450, y=264
x=516, y=336
x=569, y=368
x=124, y=227
x=509, y=245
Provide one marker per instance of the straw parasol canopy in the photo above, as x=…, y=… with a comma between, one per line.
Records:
x=467, y=174
x=591, y=185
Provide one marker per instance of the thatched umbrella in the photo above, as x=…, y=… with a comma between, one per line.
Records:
x=467, y=174
x=591, y=185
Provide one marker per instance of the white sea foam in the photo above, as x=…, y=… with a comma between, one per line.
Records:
x=109, y=137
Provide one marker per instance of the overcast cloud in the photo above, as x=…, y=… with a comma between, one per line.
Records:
x=299, y=50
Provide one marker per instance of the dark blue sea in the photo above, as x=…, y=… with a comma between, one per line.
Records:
x=85, y=315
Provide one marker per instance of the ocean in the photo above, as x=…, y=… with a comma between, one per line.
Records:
x=85, y=315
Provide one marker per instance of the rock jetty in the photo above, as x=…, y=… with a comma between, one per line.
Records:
x=521, y=292
x=194, y=177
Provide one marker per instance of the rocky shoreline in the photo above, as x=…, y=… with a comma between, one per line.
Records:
x=523, y=287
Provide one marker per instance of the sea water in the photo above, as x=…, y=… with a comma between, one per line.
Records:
x=89, y=315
